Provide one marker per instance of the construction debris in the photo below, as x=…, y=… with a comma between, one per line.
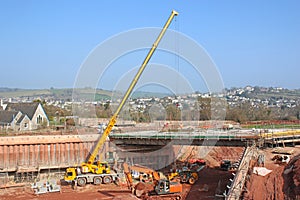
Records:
x=280, y=159
x=42, y=187
x=283, y=151
x=261, y=171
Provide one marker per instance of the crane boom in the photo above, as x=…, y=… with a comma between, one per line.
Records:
x=113, y=119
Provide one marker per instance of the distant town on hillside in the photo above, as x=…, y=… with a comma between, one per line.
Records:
x=242, y=104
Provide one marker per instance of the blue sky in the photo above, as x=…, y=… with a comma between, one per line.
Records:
x=43, y=43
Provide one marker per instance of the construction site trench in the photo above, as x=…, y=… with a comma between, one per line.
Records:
x=28, y=159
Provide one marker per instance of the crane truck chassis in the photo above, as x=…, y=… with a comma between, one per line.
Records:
x=97, y=179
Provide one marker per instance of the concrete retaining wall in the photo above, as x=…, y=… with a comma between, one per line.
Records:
x=30, y=153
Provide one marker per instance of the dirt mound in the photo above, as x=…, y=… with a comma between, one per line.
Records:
x=220, y=153
x=292, y=178
x=211, y=154
x=282, y=183
x=266, y=188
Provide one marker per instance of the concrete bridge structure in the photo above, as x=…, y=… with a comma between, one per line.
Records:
x=240, y=138
x=22, y=154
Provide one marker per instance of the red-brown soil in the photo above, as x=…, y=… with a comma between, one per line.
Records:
x=88, y=192
x=277, y=184
x=292, y=179
x=211, y=181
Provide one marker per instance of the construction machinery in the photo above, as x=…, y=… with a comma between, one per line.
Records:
x=143, y=173
x=95, y=170
x=186, y=175
x=228, y=165
x=197, y=161
x=158, y=185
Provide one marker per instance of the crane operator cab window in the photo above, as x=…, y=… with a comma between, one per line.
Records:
x=69, y=174
x=102, y=164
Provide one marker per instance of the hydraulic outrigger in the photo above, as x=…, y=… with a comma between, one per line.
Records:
x=99, y=167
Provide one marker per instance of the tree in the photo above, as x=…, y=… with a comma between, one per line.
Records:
x=205, y=108
x=173, y=112
x=107, y=105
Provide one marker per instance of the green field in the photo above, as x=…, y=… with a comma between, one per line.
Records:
x=273, y=126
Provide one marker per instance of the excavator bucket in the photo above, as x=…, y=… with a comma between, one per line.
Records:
x=140, y=189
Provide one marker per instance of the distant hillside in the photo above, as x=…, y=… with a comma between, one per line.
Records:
x=102, y=95
x=266, y=93
x=66, y=94
x=143, y=94
x=16, y=92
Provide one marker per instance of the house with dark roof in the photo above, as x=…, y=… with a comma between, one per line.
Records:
x=14, y=120
x=33, y=111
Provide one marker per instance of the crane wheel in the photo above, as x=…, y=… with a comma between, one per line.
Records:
x=97, y=180
x=192, y=180
x=107, y=179
x=81, y=182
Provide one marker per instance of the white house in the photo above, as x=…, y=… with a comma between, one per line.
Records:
x=14, y=120
x=33, y=114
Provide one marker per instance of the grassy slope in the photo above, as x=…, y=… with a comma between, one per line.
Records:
x=87, y=93
x=23, y=93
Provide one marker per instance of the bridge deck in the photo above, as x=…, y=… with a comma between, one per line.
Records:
x=208, y=138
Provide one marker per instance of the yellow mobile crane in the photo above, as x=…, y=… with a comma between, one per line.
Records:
x=98, y=172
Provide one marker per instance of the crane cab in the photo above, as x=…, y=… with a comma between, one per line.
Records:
x=102, y=168
x=95, y=168
x=70, y=174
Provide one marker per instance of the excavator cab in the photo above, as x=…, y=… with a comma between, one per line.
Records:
x=166, y=187
x=162, y=187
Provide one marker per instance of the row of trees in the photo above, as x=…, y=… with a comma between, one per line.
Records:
x=202, y=109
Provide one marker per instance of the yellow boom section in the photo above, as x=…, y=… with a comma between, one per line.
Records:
x=113, y=119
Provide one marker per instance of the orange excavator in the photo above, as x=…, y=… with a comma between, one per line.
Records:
x=160, y=185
